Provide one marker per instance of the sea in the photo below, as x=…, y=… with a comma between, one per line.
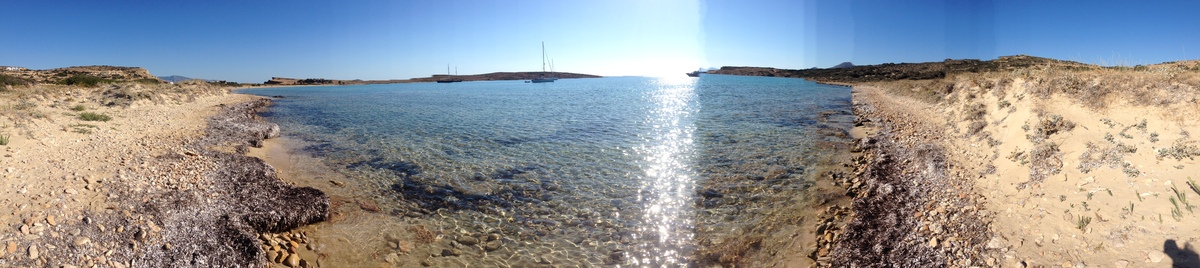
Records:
x=599, y=172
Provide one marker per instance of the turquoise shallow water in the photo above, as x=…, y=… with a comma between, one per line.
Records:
x=622, y=171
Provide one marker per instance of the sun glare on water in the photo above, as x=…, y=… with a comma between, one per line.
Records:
x=665, y=237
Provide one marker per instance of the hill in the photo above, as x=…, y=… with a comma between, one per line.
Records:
x=843, y=65
x=907, y=71
x=90, y=75
x=175, y=78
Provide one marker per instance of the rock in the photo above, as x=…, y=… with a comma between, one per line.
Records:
x=33, y=252
x=392, y=258
x=272, y=255
x=1156, y=256
x=995, y=243
x=404, y=246
x=493, y=237
x=50, y=220
x=12, y=247
x=933, y=243
x=304, y=263
x=282, y=257
x=293, y=260
x=710, y=193
x=451, y=252
x=81, y=240
x=468, y=240
x=1121, y=264
x=491, y=245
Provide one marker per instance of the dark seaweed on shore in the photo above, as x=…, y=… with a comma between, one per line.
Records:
x=218, y=225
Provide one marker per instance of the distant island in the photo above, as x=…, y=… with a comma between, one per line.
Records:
x=474, y=77
x=850, y=73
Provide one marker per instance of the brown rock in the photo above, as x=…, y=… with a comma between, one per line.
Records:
x=491, y=245
x=12, y=247
x=468, y=240
x=293, y=261
x=33, y=252
x=81, y=240
x=50, y=220
x=933, y=243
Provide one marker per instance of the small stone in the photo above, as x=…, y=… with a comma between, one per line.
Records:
x=282, y=257
x=468, y=240
x=12, y=247
x=493, y=237
x=304, y=263
x=392, y=258
x=80, y=241
x=933, y=243
x=451, y=252
x=1121, y=263
x=1156, y=256
x=50, y=220
x=823, y=252
x=491, y=245
x=33, y=252
x=272, y=255
x=293, y=260
x=995, y=243
x=404, y=246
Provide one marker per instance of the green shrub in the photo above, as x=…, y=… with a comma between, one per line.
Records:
x=85, y=80
x=150, y=81
x=8, y=80
x=3, y=139
x=90, y=116
x=79, y=108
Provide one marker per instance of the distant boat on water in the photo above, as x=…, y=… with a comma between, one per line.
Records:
x=543, y=78
x=450, y=80
x=696, y=73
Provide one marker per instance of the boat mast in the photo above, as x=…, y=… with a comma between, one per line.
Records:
x=543, y=57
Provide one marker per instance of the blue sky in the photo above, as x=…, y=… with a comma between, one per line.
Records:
x=250, y=41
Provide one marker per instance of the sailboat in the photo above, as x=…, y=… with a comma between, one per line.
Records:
x=453, y=79
x=543, y=78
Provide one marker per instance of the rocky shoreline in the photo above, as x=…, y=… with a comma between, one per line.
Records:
x=161, y=182
x=907, y=211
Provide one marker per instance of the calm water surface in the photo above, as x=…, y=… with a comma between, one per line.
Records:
x=623, y=171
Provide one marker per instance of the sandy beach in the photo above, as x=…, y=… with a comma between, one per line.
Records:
x=148, y=183
x=1036, y=167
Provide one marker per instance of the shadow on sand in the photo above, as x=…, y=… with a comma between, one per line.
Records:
x=1181, y=257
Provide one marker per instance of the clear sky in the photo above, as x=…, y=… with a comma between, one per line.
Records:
x=250, y=41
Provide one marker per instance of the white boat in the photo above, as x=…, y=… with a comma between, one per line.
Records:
x=543, y=78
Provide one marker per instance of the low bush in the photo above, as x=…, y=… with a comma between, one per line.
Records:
x=85, y=80
x=8, y=80
x=89, y=116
